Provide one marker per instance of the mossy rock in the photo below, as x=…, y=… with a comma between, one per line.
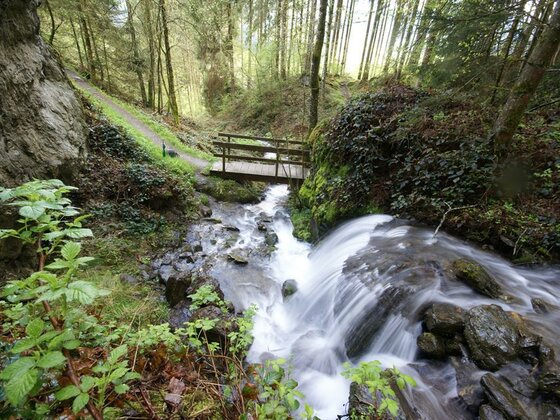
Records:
x=475, y=276
x=231, y=191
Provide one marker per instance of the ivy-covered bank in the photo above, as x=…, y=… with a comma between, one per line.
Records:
x=423, y=156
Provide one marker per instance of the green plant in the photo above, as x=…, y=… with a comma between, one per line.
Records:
x=278, y=396
x=378, y=382
x=47, y=312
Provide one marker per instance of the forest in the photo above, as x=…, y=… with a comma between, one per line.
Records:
x=280, y=209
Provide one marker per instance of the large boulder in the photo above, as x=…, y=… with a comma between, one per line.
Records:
x=492, y=336
x=503, y=399
x=445, y=319
x=475, y=276
x=431, y=345
x=42, y=128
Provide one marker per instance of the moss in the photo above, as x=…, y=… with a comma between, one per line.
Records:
x=231, y=191
x=301, y=220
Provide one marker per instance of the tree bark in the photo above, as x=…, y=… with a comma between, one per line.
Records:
x=327, y=41
x=136, y=56
x=315, y=64
x=366, y=39
x=169, y=65
x=525, y=87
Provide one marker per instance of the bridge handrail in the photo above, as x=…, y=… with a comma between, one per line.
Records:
x=247, y=137
x=282, y=147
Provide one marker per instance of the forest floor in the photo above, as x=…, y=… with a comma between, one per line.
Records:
x=155, y=138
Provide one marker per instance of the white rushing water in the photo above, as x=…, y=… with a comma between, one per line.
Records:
x=342, y=283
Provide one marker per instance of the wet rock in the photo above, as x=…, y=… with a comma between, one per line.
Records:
x=431, y=345
x=201, y=278
x=189, y=257
x=271, y=239
x=549, y=410
x=549, y=380
x=180, y=314
x=502, y=398
x=212, y=220
x=486, y=412
x=164, y=272
x=197, y=247
x=492, y=336
x=445, y=319
x=360, y=336
x=176, y=287
x=474, y=275
x=541, y=306
x=261, y=227
x=359, y=401
x=231, y=228
x=469, y=391
x=289, y=287
x=238, y=258
x=520, y=379
x=128, y=278
x=546, y=353
x=205, y=211
x=455, y=346
x=223, y=325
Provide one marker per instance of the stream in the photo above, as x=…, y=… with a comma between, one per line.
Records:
x=362, y=292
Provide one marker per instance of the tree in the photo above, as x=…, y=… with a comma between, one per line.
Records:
x=315, y=64
x=168, y=64
x=136, y=61
x=525, y=86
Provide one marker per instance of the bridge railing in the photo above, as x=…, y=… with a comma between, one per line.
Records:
x=289, y=152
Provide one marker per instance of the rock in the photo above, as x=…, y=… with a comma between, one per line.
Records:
x=231, y=228
x=223, y=326
x=127, y=278
x=197, y=247
x=261, y=227
x=173, y=399
x=205, y=211
x=502, y=398
x=486, y=412
x=549, y=380
x=541, y=306
x=212, y=220
x=474, y=275
x=43, y=132
x=469, y=391
x=445, y=319
x=164, y=272
x=455, y=346
x=359, y=401
x=179, y=314
x=289, y=287
x=431, y=345
x=360, y=336
x=271, y=239
x=189, y=257
x=549, y=410
x=238, y=258
x=492, y=336
x=176, y=287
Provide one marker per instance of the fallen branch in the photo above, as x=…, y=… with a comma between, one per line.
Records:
x=517, y=242
x=449, y=210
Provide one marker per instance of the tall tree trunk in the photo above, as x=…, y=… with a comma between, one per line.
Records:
x=394, y=34
x=107, y=74
x=53, y=25
x=87, y=42
x=327, y=46
x=291, y=37
x=348, y=34
x=250, y=47
x=229, y=44
x=152, y=48
x=76, y=40
x=380, y=36
x=336, y=32
x=315, y=65
x=311, y=34
x=97, y=61
x=373, y=36
x=421, y=34
x=283, y=37
x=136, y=56
x=525, y=87
x=366, y=39
x=169, y=65
x=405, y=48
x=507, y=48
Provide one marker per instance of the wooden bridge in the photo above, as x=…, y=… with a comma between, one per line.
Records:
x=273, y=160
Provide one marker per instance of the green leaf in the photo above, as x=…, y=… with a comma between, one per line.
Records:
x=70, y=250
x=117, y=353
x=78, y=233
x=67, y=392
x=51, y=360
x=49, y=236
x=118, y=373
x=83, y=291
x=20, y=386
x=122, y=388
x=71, y=344
x=32, y=211
x=88, y=382
x=58, y=264
x=80, y=402
x=57, y=341
x=23, y=345
x=35, y=328
x=19, y=367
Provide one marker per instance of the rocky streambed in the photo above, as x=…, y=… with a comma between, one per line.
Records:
x=480, y=336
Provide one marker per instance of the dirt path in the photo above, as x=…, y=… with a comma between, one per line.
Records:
x=198, y=163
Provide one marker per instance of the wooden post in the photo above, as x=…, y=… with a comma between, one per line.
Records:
x=228, y=150
x=277, y=159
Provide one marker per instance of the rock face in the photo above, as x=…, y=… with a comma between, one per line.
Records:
x=445, y=319
x=492, y=336
x=431, y=345
x=42, y=129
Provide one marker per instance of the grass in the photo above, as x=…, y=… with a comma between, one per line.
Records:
x=178, y=166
